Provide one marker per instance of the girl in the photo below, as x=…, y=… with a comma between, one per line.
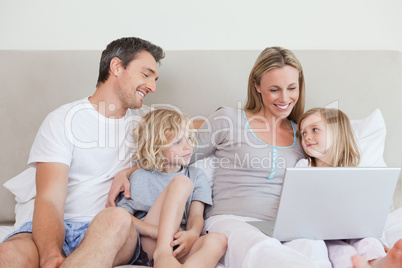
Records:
x=328, y=141
x=168, y=197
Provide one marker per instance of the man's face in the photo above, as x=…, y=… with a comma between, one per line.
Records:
x=137, y=80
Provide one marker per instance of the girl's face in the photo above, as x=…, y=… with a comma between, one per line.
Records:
x=316, y=139
x=279, y=89
x=178, y=154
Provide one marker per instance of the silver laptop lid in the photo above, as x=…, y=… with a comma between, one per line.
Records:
x=335, y=203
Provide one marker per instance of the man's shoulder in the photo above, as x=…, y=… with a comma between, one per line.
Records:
x=60, y=113
x=78, y=104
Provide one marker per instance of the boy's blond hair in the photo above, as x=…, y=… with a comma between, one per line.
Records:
x=156, y=132
x=344, y=151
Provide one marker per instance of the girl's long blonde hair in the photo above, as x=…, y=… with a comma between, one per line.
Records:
x=156, y=132
x=344, y=151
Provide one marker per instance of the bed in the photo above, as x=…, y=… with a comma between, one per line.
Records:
x=361, y=83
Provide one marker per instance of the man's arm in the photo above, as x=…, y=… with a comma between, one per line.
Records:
x=120, y=183
x=48, y=220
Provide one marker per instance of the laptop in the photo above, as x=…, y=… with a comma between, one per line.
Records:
x=333, y=203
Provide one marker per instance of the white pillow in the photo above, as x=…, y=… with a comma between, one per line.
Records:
x=23, y=212
x=23, y=185
x=370, y=133
x=393, y=227
x=24, y=188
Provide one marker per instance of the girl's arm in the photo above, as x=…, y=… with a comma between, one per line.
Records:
x=120, y=183
x=186, y=239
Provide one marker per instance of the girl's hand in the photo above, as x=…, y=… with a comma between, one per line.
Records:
x=183, y=241
x=120, y=184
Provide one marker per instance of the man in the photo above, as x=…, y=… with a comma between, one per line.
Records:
x=78, y=150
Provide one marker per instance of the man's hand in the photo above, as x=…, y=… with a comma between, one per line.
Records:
x=184, y=240
x=120, y=184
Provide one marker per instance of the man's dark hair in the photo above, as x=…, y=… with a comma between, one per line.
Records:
x=126, y=49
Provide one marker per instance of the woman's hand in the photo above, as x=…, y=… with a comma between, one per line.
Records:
x=183, y=241
x=120, y=184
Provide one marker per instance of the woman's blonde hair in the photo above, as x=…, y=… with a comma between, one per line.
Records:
x=158, y=130
x=344, y=151
x=271, y=58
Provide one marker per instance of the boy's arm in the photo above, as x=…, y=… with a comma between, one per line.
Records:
x=195, y=221
x=186, y=239
x=48, y=219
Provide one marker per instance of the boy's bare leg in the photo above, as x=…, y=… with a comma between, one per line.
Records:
x=110, y=240
x=177, y=193
x=393, y=259
x=206, y=251
x=19, y=251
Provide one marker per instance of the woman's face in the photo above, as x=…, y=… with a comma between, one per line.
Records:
x=279, y=89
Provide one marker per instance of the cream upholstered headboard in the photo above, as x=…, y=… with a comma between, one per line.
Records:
x=33, y=83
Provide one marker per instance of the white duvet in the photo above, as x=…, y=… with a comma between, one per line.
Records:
x=393, y=229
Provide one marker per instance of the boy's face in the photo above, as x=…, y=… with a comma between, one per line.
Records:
x=179, y=152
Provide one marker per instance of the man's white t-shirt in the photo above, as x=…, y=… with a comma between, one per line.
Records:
x=94, y=147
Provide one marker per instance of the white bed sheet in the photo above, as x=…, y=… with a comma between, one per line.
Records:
x=4, y=231
x=393, y=230
x=393, y=227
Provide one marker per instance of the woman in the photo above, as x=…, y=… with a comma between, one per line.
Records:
x=254, y=146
